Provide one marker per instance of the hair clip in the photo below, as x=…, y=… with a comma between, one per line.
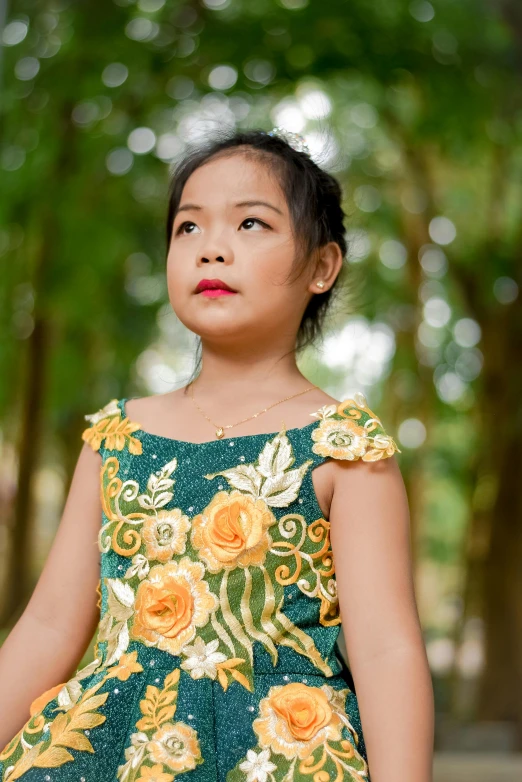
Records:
x=295, y=140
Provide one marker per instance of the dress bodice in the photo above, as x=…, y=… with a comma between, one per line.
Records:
x=218, y=601
x=234, y=528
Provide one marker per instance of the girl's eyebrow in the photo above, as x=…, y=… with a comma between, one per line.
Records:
x=186, y=207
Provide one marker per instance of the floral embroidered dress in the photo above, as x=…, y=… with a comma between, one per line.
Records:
x=215, y=657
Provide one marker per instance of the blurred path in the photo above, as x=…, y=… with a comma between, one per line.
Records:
x=456, y=767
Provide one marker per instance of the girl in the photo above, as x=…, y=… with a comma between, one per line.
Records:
x=218, y=605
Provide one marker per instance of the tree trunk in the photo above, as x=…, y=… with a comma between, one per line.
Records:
x=18, y=579
x=501, y=685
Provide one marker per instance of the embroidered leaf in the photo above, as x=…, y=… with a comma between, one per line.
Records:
x=146, y=501
x=54, y=757
x=116, y=432
x=26, y=762
x=162, y=499
x=158, y=483
x=276, y=456
x=244, y=477
x=140, y=567
x=282, y=489
x=222, y=679
x=88, y=721
x=172, y=679
x=124, y=595
x=118, y=644
x=155, y=706
x=165, y=714
x=241, y=678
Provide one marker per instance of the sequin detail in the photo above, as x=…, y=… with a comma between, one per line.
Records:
x=219, y=614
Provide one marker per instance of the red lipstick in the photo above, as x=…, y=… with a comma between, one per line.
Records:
x=213, y=288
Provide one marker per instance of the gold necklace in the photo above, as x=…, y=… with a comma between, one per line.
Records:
x=220, y=430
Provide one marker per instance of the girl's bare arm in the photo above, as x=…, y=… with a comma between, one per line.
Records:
x=48, y=641
x=370, y=537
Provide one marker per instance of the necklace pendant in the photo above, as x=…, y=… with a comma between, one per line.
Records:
x=220, y=432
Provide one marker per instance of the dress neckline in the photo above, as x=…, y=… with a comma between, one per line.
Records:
x=145, y=433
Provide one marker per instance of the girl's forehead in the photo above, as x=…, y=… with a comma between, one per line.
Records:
x=247, y=167
x=234, y=176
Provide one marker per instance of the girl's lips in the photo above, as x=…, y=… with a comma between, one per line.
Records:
x=212, y=293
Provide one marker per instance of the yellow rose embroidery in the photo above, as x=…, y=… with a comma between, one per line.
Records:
x=300, y=734
x=232, y=531
x=295, y=719
x=171, y=603
x=176, y=746
x=165, y=534
x=350, y=431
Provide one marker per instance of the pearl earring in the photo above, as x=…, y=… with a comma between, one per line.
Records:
x=320, y=283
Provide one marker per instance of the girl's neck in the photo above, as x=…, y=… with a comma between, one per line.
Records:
x=265, y=380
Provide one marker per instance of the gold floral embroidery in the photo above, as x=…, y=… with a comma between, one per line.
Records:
x=232, y=538
x=158, y=494
x=233, y=531
x=165, y=534
x=172, y=746
x=170, y=604
x=300, y=734
x=67, y=730
x=108, y=425
x=313, y=567
x=350, y=430
x=270, y=478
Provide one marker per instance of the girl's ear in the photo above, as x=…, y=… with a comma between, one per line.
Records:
x=327, y=268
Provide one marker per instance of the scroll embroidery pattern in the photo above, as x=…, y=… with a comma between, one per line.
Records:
x=206, y=588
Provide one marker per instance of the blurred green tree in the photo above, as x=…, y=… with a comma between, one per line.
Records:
x=420, y=106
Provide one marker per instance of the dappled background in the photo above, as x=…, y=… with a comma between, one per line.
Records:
x=417, y=108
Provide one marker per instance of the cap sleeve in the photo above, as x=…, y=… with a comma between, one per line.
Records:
x=111, y=430
x=351, y=431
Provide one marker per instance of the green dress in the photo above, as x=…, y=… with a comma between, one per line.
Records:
x=215, y=656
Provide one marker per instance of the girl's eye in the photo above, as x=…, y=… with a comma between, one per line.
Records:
x=182, y=226
x=255, y=220
x=246, y=220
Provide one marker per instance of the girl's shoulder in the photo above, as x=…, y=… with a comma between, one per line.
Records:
x=349, y=430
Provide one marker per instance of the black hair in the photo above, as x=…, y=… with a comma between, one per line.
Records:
x=314, y=201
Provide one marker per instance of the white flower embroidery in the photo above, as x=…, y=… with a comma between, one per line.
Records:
x=111, y=408
x=325, y=412
x=257, y=767
x=202, y=658
x=140, y=567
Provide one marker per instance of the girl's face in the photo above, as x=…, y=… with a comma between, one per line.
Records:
x=223, y=231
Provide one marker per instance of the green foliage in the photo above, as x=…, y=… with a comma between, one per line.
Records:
x=425, y=123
